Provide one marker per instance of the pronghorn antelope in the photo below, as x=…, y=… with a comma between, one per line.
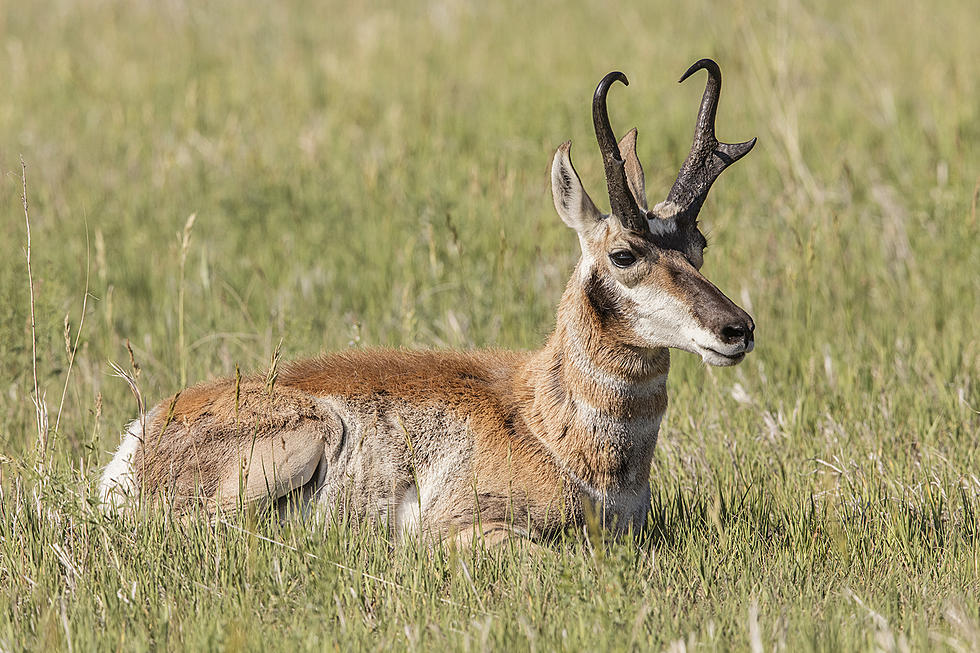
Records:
x=482, y=445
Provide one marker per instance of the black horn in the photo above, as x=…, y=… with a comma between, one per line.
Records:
x=621, y=201
x=708, y=157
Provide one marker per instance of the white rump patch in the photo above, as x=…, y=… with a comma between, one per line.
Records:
x=118, y=484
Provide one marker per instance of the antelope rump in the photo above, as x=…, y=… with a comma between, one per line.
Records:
x=484, y=445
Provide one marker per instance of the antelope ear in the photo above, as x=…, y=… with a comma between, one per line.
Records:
x=634, y=171
x=573, y=204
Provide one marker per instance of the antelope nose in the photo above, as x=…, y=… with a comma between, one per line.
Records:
x=739, y=332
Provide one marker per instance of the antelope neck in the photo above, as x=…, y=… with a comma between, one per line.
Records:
x=596, y=402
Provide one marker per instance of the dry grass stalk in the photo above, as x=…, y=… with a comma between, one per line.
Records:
x=185, y=241
x=130, y=380
x=273, y=373
x=70, y=348
x=40, y=410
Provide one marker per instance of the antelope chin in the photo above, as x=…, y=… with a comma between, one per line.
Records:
x=723, y=358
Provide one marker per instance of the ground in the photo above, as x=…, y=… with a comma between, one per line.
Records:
x=380, y=177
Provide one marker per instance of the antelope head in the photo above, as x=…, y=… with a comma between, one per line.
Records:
x=640, y=267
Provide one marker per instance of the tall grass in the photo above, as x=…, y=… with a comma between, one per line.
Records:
x=379, y=177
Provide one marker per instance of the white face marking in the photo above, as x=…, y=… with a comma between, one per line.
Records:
x=662, y=320
x=587, y=262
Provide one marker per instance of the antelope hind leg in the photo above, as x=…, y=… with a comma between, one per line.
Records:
x=273, y=467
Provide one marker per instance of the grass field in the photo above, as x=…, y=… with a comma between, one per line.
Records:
x=380, y=177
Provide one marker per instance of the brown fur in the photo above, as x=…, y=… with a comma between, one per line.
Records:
x=519, y=408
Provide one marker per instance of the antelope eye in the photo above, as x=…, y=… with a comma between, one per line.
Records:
x=622, y=258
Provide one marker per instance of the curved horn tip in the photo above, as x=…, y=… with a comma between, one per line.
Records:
x=614, y=76
x=707, y=64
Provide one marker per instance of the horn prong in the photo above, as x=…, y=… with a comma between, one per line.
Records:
x=736, y=151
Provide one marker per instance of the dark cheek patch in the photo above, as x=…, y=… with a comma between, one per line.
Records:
x=602, y=299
